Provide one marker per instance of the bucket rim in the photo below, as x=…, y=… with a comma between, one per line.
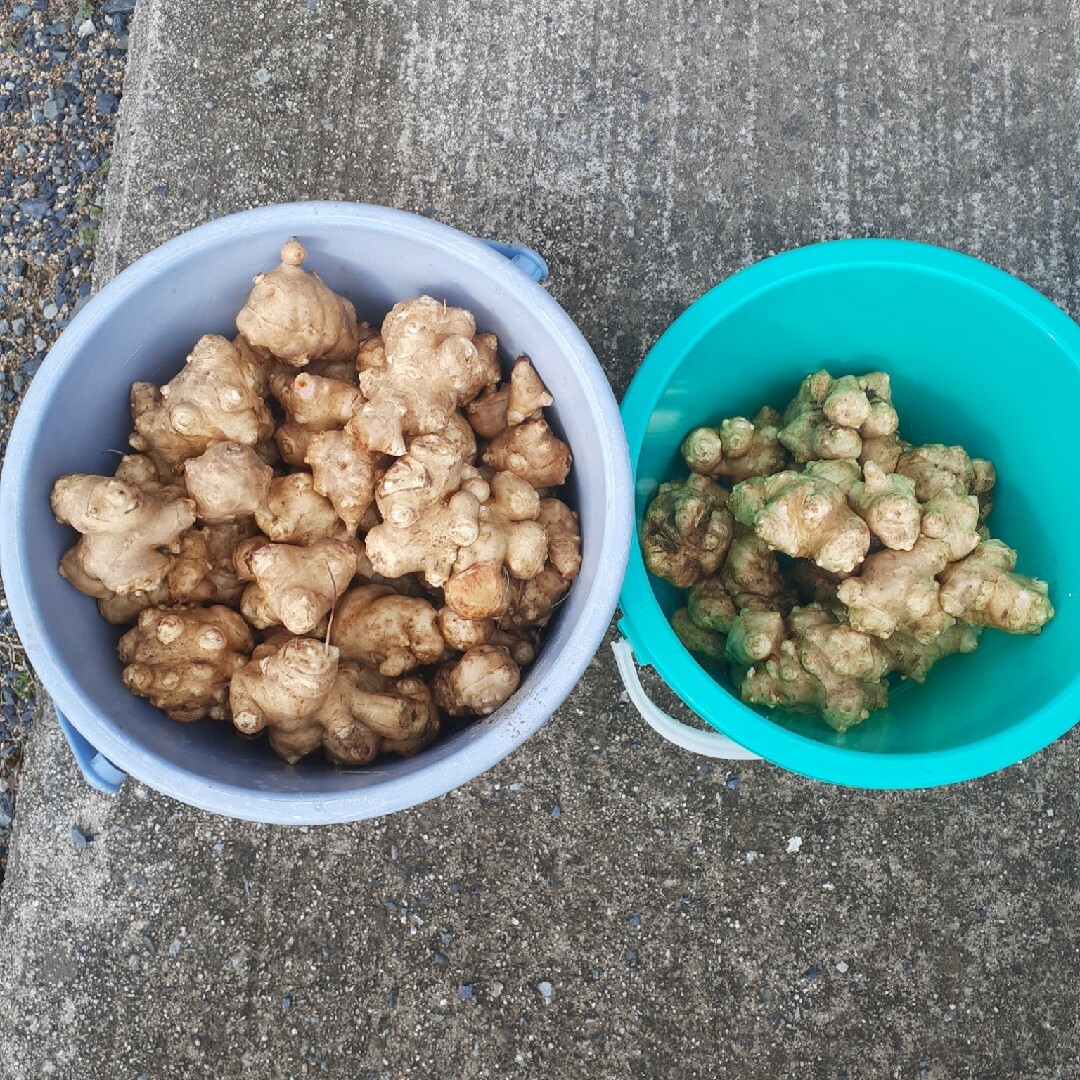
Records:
x=649, y=631
x=497, y=737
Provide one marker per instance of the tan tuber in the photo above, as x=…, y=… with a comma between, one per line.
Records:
x=293, y=315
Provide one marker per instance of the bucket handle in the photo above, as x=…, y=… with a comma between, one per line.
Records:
x=525, y=259
x=98, y=771
x=709, y=743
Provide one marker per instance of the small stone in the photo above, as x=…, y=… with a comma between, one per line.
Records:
x=546, y=991
x=841, y=967
x=139, y=879
x=50, y=311
x=118, y=7
x=465, y=991
x=794, y=844
x=86, y=28
x=106, y=103
x=35, y=209
x=496, y=989
x=732, y=782
x=79, y=838
x=766, y=994
x=813, y=973
x=635, y=920
x=556, y=812
x=51, y=109
x=286, y=1003
x=262, y=76
x=174, y=947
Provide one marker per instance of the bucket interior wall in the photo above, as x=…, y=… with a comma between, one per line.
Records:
x=146, y=338
x=962, y=372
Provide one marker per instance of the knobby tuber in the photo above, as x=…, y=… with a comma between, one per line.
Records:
x=333, y=532
x=868, y=558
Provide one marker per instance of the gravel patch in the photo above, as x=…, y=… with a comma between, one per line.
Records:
x=60, y=84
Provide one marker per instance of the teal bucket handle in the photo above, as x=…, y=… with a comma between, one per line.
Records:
x=708, y=743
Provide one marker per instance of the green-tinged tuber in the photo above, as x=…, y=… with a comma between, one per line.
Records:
x=803, y=516
x=913, y=659
x=686, y=531
x=738, y=448
x=707, y=645
x=751, y=574
x=898, y=590
x=821, y=667
x=710, y=606
x=982, y=589
x=887, y=503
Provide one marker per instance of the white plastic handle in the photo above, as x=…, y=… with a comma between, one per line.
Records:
x=709, y=743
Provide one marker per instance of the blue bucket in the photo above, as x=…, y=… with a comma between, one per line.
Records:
x=140, y=327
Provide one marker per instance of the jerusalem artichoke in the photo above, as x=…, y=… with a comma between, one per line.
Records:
x=293, y=315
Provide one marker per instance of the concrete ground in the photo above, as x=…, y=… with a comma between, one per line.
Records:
x=600, y=904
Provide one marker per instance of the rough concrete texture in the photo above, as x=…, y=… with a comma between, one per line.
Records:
x=599, y=904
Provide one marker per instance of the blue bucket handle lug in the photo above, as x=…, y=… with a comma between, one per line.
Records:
x=525, y=259
x=98, y=771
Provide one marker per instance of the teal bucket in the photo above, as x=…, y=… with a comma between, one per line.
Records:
x=976, y=358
